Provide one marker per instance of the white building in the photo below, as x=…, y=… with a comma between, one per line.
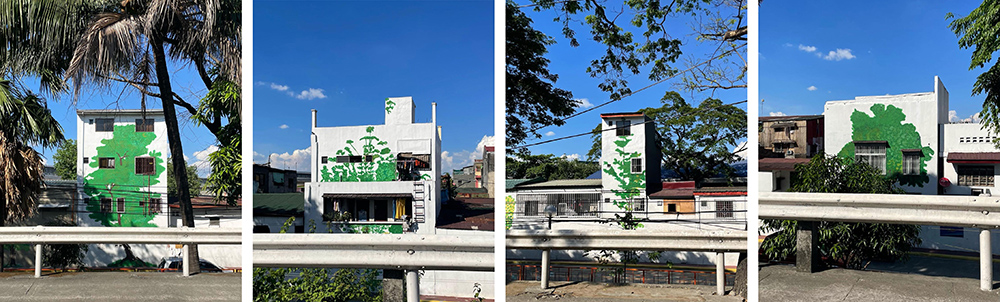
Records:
x=909, y=138
x=630, y=181
x=369, y=178
x=122, y=182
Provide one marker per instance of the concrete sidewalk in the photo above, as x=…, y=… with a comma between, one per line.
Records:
x=783, y=283
x=120, y=286
x=518, y=291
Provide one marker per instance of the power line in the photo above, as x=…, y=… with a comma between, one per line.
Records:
x=610, y=129
x=637, y=91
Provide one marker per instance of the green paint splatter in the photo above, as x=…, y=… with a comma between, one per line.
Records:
x=509, y=210
x=372, y=228
x=121, y=181
x=382, y=166
x=886, y=123
x=620, y=168
x=389, y=105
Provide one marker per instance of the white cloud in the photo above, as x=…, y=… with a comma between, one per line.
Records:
x=550, y=133
x=788, y=45
x=839, y=54
x=807, y=48
x=283, y=126
x=456, y=160
x=311, y=94
x=201, y=160
x=277, y=87
x=953, y=117
x=573, y=156
x=742, y=154
x=779, y=113
x=297, y=160
x=584, y=103
x=811, y=88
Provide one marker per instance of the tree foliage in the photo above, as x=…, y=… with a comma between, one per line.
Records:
x=532, y=99
x=315, y=284
x=195, y=184
x=548, y=167
x=697, y=142
x=63, y=255
x=980, y=30
x=65, y=159
x=845, y=244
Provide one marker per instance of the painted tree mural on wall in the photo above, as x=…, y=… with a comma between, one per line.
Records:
x=886, y=124
x=620, y=168
x=389, y=105
x=377, y=161
x=122, y=181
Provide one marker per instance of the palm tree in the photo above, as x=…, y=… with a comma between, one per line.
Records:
x=131, y=42
x=24, y=122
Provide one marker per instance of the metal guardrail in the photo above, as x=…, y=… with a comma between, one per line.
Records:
x=720, y=241
x=982, y=212
x=693, y=240
x=941, y=210
x=381, y=251
x=40, y=235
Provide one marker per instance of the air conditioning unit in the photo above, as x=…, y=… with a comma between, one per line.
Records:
x=790, y=152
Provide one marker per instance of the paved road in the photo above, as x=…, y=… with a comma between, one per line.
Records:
x=519, y=291
x=783, y=283
x=120, y=286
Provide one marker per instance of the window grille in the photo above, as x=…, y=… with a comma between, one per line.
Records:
x=106, y=162
x=583, y=204
x=724, y=209
x=104, y=125
x=143, y=125
x=872, y=154
x=975, y=175
x=636, y=165
x=144, y=166
x=911, y=163
x=623, y=128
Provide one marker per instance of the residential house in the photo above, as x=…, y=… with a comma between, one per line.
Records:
x=798, y=136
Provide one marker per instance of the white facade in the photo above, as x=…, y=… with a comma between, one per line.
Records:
x=927, y=115
x=132, y=191
x=358, y=170
x=846, y=122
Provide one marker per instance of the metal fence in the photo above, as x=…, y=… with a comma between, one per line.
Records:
x=567, y=205
x=533, y=272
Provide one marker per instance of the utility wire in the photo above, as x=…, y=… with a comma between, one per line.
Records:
x=610, y=129
x=536, y=128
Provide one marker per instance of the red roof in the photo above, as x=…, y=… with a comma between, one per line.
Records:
x=678, y=184
x=779, y=164
x=621, y=114
x=490, y=148
x=686, y=193
x=974, y=157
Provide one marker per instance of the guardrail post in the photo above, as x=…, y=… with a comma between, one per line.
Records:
x=38, y=261
x=186, y=258
x=412, y=286
x=807, y=247
x=985, y=261
x=392, y=286
x=720, y=273
x=545, y=269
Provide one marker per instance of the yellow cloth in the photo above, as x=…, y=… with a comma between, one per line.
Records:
x=400, y=208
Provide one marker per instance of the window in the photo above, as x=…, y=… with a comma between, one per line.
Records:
x=369, y=158
x=261, y=229
x=911, y=162
x=947, y=231
x=106, y=162
x=105, y=205
x=672, y=208
x=582, y=204
x=349, y=159
x=121, y=205
x=872, y=154
x=724, y=209
x=782, y=147
x=623, y=128
x=322, y=159
x=144, y=125
x=638, y=205
x=636, y=165
x=975, y=175
x=144, y=166
x=104, y=125
x=154, y=205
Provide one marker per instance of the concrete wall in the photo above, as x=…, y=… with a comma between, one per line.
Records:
x=458, y=283
x=275, y=223
x=966, y=138
x=382, y=144
x=921, y=111
x=639, y=144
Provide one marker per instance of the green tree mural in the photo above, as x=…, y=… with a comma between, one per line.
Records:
x=122, y=181
x=389, y=105
x=886, y=123
x=620, y=168
x=380, y=167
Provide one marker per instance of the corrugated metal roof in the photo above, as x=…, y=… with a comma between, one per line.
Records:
x=974, y=157
x=282, y=204
x=565, y=183
x=780, y=164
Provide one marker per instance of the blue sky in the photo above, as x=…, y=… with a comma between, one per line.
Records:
x=570, y=63
x=880, y=47
x=196, y=140
x=344, y=58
